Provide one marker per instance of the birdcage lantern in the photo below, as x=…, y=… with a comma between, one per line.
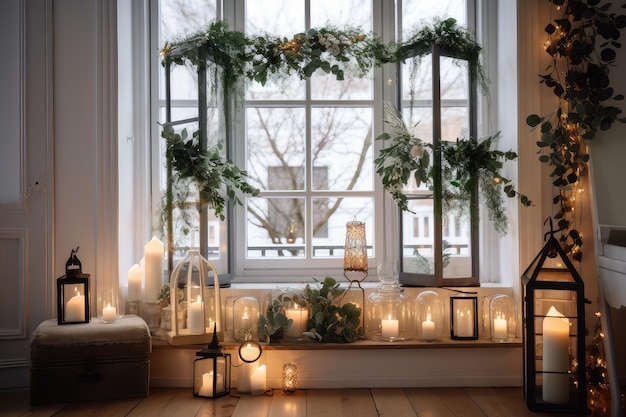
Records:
x=554, y=332
x=203, y=303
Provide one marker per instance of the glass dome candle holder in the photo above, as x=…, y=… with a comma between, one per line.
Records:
x=242, y=317
x=194, y=268
x=502, y=318
x=389, y=315
x=429, y=316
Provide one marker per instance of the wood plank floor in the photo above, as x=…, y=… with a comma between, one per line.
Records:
x=407, y=402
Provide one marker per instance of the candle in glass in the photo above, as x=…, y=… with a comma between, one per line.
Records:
x=500, y=327
x=389, y=327
x=75, y=308
x=463, y=323
x=428, y=329
x=109, y=313
x=299, y=316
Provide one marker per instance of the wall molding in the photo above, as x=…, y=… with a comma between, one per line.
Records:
x=20, y=329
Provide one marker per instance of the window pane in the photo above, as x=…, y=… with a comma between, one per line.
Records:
x=355, y=13
x=342, y=143
x=278, y=17
x=330, y=216
x=417, y=244
x=275, y=227
x=276, y=139
x=421, y=11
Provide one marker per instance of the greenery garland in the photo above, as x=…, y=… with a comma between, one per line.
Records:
x=337, y=52
x=466, y=163
x=581, y=43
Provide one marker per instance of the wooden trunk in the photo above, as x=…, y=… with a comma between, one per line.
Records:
x=91, y=361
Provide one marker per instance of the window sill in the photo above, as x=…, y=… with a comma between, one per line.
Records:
x=445, y=343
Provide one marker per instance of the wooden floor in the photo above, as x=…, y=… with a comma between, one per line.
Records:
x=178, y=402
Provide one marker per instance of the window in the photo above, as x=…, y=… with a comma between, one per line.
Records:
x=309, y=145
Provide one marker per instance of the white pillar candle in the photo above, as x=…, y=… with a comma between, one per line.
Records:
x=500, y=327
x=257, y=380
x=555, y=357
x=195, y=317
x=206, y=390
x=299, y=316
x=389, y=327
x=109, y=313
x=428, y=329
x=244, y=377
x=75, y=308
x=463, y=323
x=153, y=269
x=134, y=283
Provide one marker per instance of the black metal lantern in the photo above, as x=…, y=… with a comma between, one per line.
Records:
x=211, y=371
x=73, y=293
x=554, y=332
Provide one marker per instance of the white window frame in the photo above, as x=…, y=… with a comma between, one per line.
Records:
x=387, y=239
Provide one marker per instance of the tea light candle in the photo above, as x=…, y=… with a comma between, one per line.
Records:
x=428, y=329
x=109, y=313
x=257, y=380
x=195, y=317
x=389, y=327
x=134, y=283
x=500, y=327
x=555, y=357
x=75, y=308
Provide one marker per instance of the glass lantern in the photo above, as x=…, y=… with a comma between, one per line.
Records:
x=211, y=371
x=464, y=318
x=429, y=316
x=554, y=333
x=389, y=316
x=193, y=270
x=502, y=318
x=242, y=317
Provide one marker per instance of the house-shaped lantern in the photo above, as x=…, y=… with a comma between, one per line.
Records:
x=554, y=332
x=203, y=303
x=211, y=371
x=73, y=293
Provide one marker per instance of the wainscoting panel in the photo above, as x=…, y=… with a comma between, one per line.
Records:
x=13, y=284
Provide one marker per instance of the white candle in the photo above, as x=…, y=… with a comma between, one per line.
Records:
x=428, y=329
x=206, y=390
x=75, y=308
x=464, y=326
x=389, y=327
x=109, y=313
x=555, y=357
x=249, y=352
x=299, y=316
x=257, y=380
x=153, y=269
x=195, y=317
x=134, y=283
x=500, y=327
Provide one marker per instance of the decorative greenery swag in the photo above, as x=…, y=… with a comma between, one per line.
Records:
x=233, y=58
